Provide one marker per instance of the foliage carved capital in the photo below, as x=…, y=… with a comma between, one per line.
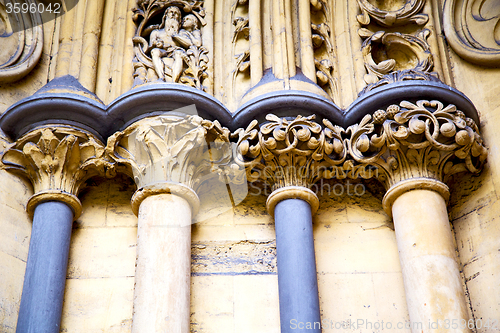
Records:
x=409, y=141
x=287, y=152
x=171, y=149
x=57, y=160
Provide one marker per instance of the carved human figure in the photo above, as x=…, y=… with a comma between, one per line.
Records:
x=190, y=33
x=166, y=53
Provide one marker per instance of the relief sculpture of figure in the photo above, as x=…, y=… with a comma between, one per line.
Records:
x=168, y=44
x=170, y=49
x=166, y=53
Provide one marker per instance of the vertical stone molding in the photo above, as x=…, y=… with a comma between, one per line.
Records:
x=291, y=155
x=168, y=156
x=415, y=148
x=56, y=160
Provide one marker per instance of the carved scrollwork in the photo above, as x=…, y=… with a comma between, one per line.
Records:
x=291, y=152
x=168, y=42
x=472, y=29
x=324, y=55
x=386, y=52
x=171, y=148
x=241, y=33
x=410, y=140
x=21, y=37
x=392, y=13
x=57, y=160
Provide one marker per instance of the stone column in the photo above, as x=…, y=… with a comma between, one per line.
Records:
x=415, y=148
x=168, y=157
x=291, y=155
x=56, y=160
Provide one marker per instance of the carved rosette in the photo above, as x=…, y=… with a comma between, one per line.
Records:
x=168, y=42
x=57, y=160
x=291, y=154
x=392, y=13
x=171, y=154
x=416, y=141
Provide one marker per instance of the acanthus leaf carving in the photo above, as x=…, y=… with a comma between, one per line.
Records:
x=172, y=148
x=324, y=55
x=170, y=49
x=57, y=160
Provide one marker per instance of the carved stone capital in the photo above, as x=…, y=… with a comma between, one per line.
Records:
x=291, y=152
x=423, y=141
x=57, y=160
x=171, y=154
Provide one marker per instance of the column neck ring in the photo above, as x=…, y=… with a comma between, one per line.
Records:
x=166, y=187
x=54, y=195
x=292, y=192
x=420, y=183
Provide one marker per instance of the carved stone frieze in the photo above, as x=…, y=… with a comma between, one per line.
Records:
x=291, y=152
x=392, y=13
x=171, y=149
x=422, y=140
x=21, y=37
x=168, y=42
x=472, y=29
x=57, y=160
x=386, y=52
x=324, y=53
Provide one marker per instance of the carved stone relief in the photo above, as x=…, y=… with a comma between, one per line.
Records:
x=392, y=13
x=324, y=53
x=472, y=29
x=240, y=41
x=21, y=37
x=171, y=148
x=402, y=142
x=168, y=42
x=291, y=152
x=57, y=160
x=393, y=56
x=426, y=139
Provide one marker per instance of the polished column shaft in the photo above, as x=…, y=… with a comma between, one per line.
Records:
x=431, y=274
x=45, y=278
x=297, y=278
x=162, y=280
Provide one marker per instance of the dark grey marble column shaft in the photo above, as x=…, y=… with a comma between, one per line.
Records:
x=45, y=277
x=297, y=278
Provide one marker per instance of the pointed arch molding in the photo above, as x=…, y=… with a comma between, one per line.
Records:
x=472, y=29
x=21, y=37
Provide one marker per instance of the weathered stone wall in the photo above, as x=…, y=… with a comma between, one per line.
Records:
x=234, y=286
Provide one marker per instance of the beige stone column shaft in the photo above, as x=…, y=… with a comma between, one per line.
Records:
x=431, y=274
x=162, y=281
x=168, y=157
x=413, y=149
